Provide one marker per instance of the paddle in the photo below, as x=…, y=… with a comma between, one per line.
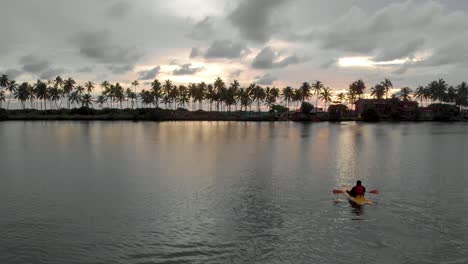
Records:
x=341, y=191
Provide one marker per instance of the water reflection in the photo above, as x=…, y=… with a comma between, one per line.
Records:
x=221, y=192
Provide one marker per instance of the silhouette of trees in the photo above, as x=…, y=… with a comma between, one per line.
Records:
x=215, y=96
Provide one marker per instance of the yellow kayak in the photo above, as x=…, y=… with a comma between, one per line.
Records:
x=359, y=200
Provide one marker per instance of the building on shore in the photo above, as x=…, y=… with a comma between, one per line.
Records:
x=389, y=108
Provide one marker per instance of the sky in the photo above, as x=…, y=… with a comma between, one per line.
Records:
x=269, y=42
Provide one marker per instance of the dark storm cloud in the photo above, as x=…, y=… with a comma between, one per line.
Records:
x=119, y=10
x=254, y=19
x=203, y=29
x=99, y=46
x=187, y=69
x=225, y=49
x=51, y=73
x=120, y=69
x=266, y=79
x=149, y=74
x=268, y=58
x=33, y=64
x=13, y=73
x=401, y=50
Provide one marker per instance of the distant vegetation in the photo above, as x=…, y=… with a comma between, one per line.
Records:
x=218, y=96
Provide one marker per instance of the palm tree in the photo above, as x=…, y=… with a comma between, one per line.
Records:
x=304, y=91
x=258, y=95
x=101, y=100
x=387, y=84
x=317, y=88
x=232, y=94
x=210, y=95
x=378, y=91
x=297, y=98
x=326, y=96
x=2, y=98
x=119, y=94
x=405, y=94
x=3, y=84
x=89, y=87
x=32, y=95
x=80, y=89
x=451, y=95
x=4, y=81
x=156, y=89
x=129, y=94
x=11, y=88
x=41, y=92
x=68, y=86
x=200, y=94
x=244, y=98
x=420, y=94
x=220, y=88
x=462, y=95
x=86, y=100
x=287, y=94
x=22, y=94
x=183, y=95
x=192, y=87
x=438, y=90
x=58, y=82
x=135, y=85
x=74, y=98
x=358, y=87
x=341, y=97
x=106, y=89
x=54, y=96
x=272, y=95
x=167, y=90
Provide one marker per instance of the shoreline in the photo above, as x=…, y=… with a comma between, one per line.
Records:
x=161, y=115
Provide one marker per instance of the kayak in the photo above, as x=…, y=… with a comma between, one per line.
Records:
x=359, y=200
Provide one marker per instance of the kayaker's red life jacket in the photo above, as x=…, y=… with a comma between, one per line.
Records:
x=360, y=190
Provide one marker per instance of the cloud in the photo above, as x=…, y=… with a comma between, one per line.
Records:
x=13, y=73
x=119, y=69
x=268, y=58
x=85, y=69
x=235, y=74
x=149, y=74
x=98, y=45
x=119, y=10
x=225, y=49
x=403, y=50
x=254, y=19
x=51, y=73
x=266, y=79
x=203, y=29
x=195, y=52
x=187, y=69
x=32, y=64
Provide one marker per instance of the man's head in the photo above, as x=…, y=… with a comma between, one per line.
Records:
x=358, y=183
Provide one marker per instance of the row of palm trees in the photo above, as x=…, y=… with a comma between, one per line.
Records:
x=436, y=91
x=54, y=94
x=219, y=96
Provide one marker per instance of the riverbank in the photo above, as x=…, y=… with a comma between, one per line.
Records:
x=158, y=114
x=142, y=114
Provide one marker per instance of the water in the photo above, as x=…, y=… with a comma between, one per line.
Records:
x=220, y=192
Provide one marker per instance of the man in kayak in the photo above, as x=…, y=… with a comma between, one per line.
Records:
x=357, y=190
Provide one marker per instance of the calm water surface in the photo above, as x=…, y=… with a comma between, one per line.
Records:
x=220, y=192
